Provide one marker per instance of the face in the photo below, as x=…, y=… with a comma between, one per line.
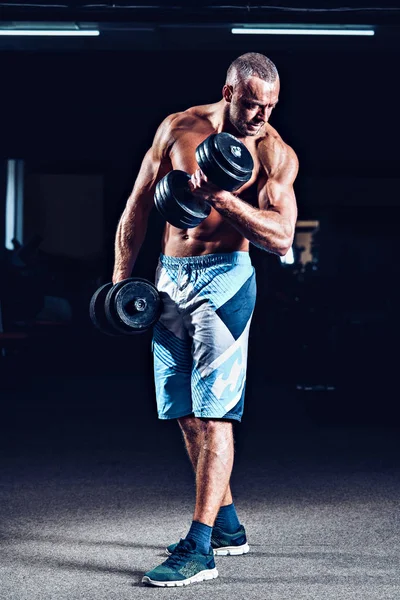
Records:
x=250, y=104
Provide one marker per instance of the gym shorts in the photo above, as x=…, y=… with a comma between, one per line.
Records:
x=200, y=341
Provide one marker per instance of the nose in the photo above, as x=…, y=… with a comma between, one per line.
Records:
x=263, y=113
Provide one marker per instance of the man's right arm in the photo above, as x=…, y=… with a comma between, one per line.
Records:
x=132, y=226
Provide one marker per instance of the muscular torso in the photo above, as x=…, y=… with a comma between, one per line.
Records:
x=214, y=234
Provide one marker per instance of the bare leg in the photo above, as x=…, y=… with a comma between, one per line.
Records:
x=210, y=447
x=193, y=433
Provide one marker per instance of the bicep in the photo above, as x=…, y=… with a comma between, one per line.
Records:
x=276, y=192
x=277, y=197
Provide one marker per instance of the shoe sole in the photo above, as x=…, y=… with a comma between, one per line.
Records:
x=201, y=576
x=232, y=550
x=226, y=550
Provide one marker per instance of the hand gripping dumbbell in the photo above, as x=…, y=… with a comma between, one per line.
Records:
x=224, y=160
x=130, y=306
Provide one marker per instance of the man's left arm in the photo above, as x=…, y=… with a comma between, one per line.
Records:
x=272, y=225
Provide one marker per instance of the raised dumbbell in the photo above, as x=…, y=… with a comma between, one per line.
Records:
x=130, y=306
x=224, y=160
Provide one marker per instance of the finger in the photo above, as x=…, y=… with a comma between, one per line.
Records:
x=196, y=176
x=202, y=175
x=193, y=182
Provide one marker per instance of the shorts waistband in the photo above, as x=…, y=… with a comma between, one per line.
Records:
x=206, y=260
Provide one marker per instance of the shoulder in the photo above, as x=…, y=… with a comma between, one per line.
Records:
x=277, y=158
x=165, y=132
x=176, y=124
x=194, y=117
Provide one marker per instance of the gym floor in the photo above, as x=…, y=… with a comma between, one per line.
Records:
x=93, y=487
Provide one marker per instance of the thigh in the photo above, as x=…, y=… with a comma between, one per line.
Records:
x=220, y=334
x=172, y=356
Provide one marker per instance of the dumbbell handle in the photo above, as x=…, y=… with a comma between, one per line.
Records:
x=217, y=168
x=225, y=161
x=130, y=306
x=176, y=203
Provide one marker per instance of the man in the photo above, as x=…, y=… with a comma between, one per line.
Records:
x=207, y=283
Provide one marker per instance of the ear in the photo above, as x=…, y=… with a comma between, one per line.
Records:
x=227, y=93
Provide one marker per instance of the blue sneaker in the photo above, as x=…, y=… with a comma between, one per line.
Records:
x=184, y=566
x=223, y=543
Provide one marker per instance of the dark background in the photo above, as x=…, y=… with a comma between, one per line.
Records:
x=323, y=344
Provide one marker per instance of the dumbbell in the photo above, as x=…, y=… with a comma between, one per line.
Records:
x=130, y=306
x=224, y=160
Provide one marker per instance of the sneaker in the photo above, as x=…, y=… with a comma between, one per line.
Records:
x=185, y=565
x=223, y=543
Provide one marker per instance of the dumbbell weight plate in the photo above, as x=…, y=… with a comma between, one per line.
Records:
x=133, y=305
x=175, y=202
x=225, y=160
x=97, y=311
x=165, y=199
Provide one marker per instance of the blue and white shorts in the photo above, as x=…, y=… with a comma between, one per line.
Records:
x=200, y=342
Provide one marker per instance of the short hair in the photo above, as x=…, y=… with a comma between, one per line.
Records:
x=251, y=64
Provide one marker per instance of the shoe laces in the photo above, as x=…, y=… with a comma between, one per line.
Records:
x=179, y=555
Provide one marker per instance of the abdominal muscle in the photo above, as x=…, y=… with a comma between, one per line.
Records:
x=213, y=235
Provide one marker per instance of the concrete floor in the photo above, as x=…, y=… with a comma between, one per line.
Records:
x=90, y=497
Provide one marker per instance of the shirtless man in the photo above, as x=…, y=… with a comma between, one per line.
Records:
x=207, y=283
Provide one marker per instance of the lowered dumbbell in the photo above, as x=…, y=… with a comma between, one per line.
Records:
x=130, y=306
x=224, y=160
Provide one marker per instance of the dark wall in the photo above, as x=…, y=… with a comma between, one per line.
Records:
x=337, y=108
x=97, y=111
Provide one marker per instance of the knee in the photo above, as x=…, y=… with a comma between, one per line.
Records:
x=217, y=429
x=209, y=430
x=218, y=440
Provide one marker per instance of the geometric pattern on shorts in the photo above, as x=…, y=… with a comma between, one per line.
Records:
x=200, y=342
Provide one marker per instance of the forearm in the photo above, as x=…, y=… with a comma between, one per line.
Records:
x=263, y=228
x=129, y=238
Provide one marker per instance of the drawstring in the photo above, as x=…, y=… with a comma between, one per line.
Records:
x=183, y=277
x=179, y=276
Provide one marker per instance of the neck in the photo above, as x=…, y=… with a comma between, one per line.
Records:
x=221, y=120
